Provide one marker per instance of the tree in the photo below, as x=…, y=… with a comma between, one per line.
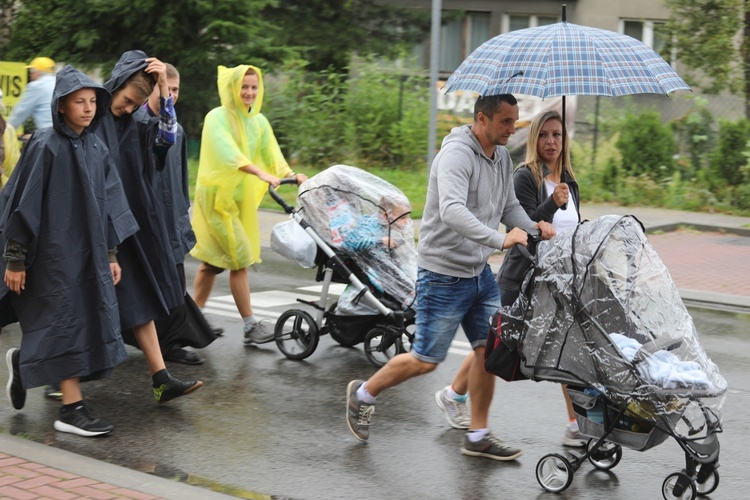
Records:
x=712, y=39
x=647, y=147
x=194, y=35
x=328, y=32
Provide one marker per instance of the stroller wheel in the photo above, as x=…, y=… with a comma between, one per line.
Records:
x=296, y=334
x=678, y=486
x=381, y=344
x=709, y=485
x=606, y=457
x=554, y=473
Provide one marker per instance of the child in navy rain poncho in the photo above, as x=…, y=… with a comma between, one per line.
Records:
x=62, y=215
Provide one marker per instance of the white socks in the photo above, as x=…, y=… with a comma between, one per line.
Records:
x=477, y=434
x=249, y=321
x=365, y=396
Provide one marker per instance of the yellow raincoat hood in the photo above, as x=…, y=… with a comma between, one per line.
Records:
x=226, y=198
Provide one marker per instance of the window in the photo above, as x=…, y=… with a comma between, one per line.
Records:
x=513, y=22
x=652, y=33
x=459, y=38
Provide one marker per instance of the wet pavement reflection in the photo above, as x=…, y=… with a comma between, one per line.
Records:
x=267, y=424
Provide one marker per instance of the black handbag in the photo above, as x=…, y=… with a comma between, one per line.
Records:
x=499, y=359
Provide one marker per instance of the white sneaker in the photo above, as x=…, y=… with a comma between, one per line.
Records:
x=457, y=414
x=573, y=438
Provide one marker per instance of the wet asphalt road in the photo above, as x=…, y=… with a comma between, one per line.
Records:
x=272, y=426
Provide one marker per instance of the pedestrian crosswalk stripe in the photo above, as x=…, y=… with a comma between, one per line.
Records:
x=223, y=305
x=333, y=288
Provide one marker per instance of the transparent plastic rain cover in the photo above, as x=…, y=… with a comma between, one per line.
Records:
x=601, y=311
x=368, y=219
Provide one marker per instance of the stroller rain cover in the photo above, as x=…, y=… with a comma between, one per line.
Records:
x=600, y=310
x=366, y=218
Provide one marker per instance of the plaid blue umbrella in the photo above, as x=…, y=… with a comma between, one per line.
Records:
x=564, y=59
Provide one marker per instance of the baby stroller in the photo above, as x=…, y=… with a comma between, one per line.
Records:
x=598, y=311
x=355, y=228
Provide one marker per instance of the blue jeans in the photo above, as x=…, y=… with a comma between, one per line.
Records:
x=444, y=303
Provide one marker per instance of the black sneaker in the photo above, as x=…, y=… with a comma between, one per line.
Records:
x=15, y=391
x=358, y=413
x=490, y=447
x=53, y=392
x=174, y=388
x=79, y=421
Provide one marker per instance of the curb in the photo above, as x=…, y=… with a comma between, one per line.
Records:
x=102, y=471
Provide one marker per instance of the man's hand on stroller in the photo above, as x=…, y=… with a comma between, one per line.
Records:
x=546, y=229
x=515, y=236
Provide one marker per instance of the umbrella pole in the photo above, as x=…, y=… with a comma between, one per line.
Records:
x=565, y=127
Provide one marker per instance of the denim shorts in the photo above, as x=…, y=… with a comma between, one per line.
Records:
x=444, y=303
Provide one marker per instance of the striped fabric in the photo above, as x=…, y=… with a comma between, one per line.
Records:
x=564, y=59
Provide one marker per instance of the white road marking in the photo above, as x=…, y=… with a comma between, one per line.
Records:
x=223, y=305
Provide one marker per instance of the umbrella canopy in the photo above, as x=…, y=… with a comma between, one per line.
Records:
x=564, y=59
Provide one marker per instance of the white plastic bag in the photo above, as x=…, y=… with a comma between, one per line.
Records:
x=289, y=239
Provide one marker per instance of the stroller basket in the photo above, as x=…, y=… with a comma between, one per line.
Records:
x=589, y=410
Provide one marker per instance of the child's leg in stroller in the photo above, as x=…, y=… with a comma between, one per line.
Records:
x=203, y=283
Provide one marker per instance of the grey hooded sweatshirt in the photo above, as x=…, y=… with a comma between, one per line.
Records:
x=468, y=196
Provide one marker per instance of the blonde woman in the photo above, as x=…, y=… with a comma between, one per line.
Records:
x=239, y=158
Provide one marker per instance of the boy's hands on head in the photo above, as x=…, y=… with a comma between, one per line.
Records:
x=158, y=70
x=16, y=280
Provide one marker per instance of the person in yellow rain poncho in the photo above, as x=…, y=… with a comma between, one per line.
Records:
x=9, y=150
x=239, y=158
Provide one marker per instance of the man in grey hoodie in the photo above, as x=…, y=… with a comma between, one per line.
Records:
x=470, y=193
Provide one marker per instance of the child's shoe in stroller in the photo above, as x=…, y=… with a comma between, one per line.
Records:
x=257, y=333
x=490, y=447
x=572, y=436
x=456, y=412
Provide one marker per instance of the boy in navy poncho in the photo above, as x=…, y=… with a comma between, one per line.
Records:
x=62, y=215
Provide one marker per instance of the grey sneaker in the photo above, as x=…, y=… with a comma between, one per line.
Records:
x=358, y=413
x=573, y=438
x=258, y=334
x=456, y=413
x=490, y=447
x=13, y=389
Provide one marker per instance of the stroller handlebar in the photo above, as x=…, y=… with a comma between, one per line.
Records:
x=278, y=199
x=534, y=235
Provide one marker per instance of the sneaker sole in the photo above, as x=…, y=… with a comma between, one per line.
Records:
x=197, y=386
x=439, y=403
x=494, y=457
x=9, y=364
x=574, y=443
x=8, y=390
x=72, y=429
x=352, y=385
